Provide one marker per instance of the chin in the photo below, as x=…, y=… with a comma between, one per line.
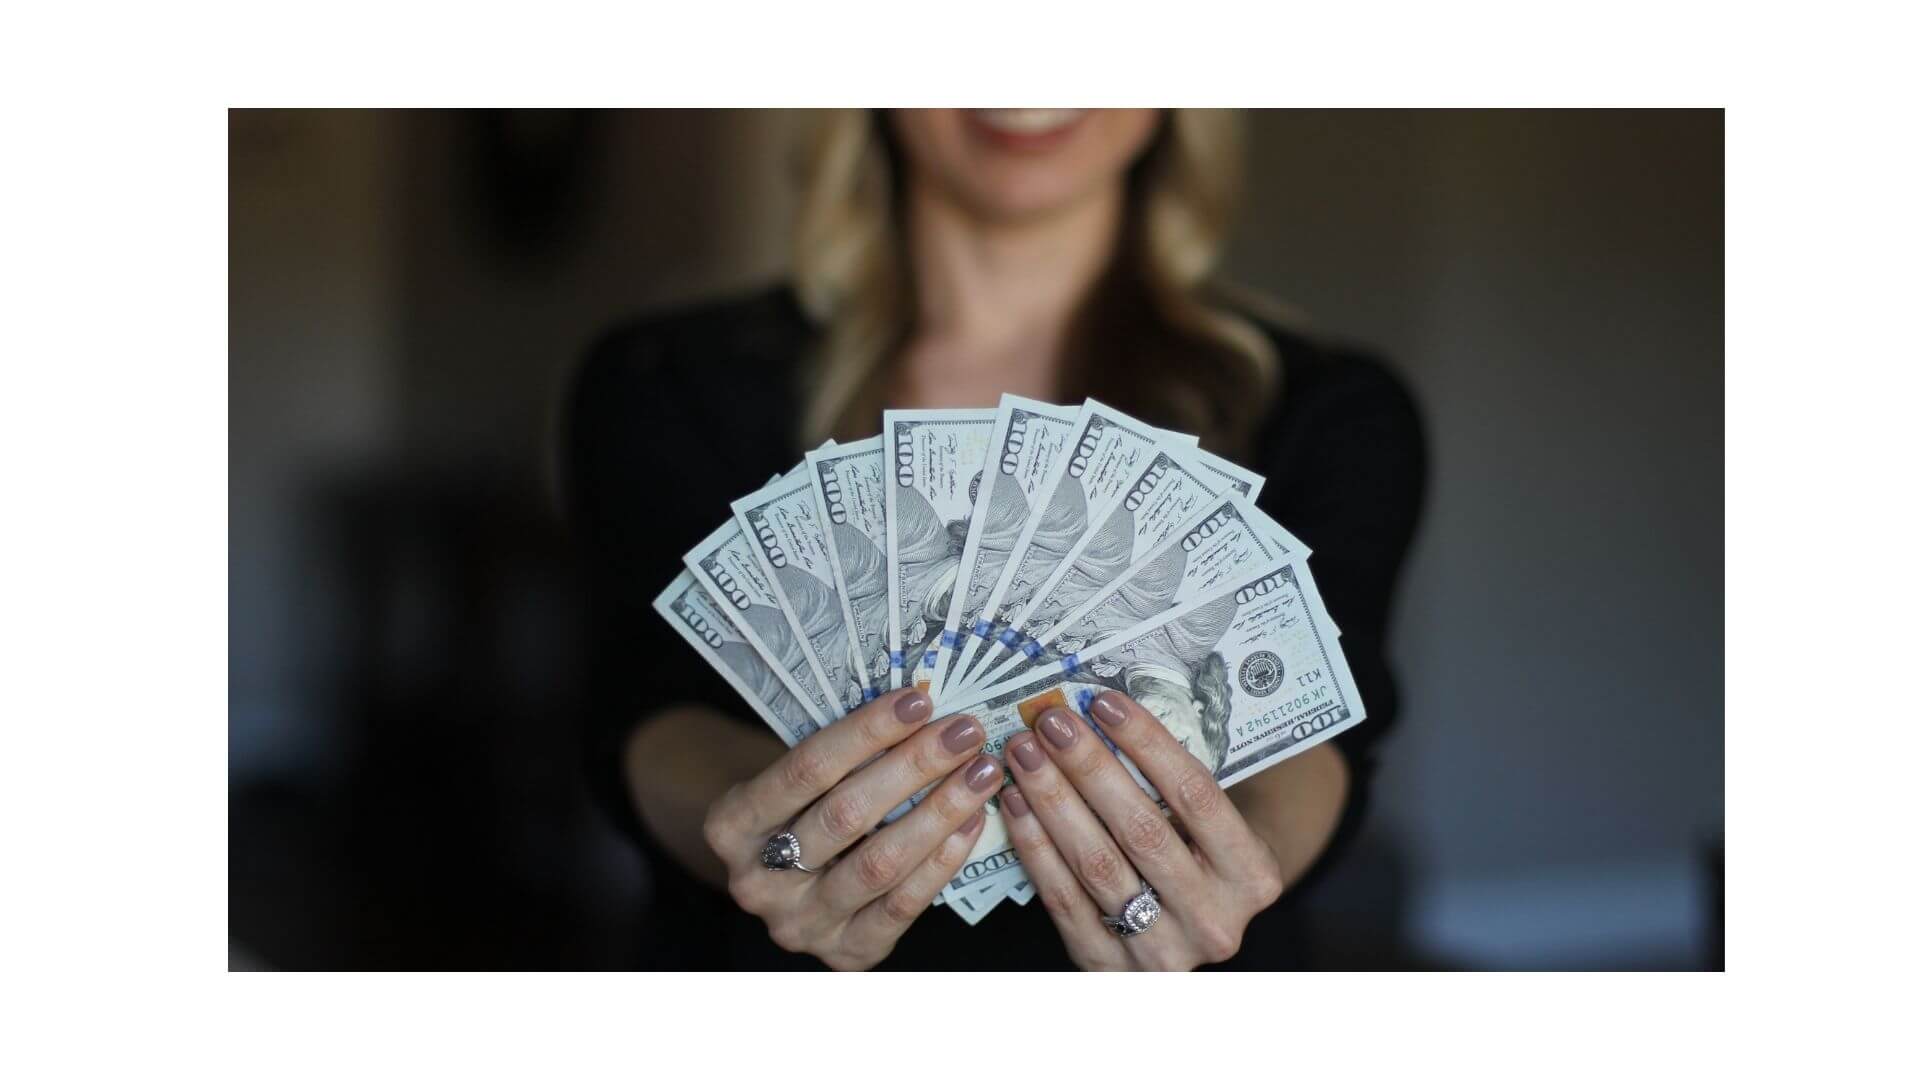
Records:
x=1024, y=198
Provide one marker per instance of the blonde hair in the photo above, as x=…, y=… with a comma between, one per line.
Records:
x=852, y=276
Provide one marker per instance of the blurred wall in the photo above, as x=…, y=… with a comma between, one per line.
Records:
x=410, y=291
x=1551, y=283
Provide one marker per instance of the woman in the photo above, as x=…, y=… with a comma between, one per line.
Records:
x=945, y=257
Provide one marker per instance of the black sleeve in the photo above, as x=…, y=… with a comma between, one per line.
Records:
x=1346, y=460
x=624, y=492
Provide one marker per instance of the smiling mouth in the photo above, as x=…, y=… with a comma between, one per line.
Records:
x=1026, y=121
x=1024, y=129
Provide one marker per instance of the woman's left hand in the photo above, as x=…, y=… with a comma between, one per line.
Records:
x=1090, y=839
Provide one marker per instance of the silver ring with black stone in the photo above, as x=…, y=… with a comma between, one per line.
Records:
x=782, y=852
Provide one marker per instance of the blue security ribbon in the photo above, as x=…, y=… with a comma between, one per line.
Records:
x=1083, y=697
x=1009, y=637
x=982, y=628
x=949, y=638
x=927, y=659
x=1070, y=663
x=896, y=658
x=1032, y=649
x=869, y=694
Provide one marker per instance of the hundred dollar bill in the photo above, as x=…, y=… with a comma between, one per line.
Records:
x=698, y=618
x=784, y=522
x=972, y=899
x=727, y=565
x=1107, y=447
x=849, y=482
x=1226, y=538
x=1244, y=678
x=1028, y=444
x=1164, y=492
x=989, y=876
x=935, y=459
x=1276, y=673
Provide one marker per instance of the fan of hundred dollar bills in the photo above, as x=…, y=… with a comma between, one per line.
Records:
x=1011, y=559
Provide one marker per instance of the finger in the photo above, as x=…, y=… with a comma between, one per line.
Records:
x=1096, y=861
x=882, y=861
x=1116, y=798
x=782, y=790
x=1074, y=914
x=1183, y=780
x=878, y=925
x=855, y=806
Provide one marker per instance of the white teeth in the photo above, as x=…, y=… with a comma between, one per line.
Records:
x=1027, y=121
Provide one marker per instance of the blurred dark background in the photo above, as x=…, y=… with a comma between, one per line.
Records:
x=409, y=293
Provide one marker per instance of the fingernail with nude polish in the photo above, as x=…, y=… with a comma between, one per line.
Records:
x=983, y=774
x=1027, y=752
x=1015, y=802
x=962, y=735
x=1058, y=728
x=913, y=707
x=1110, y=710
x=973, y=823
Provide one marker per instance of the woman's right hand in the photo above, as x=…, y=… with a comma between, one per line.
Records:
x=830, y=793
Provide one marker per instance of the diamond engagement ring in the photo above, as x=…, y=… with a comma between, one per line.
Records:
x=782, y=852
x=1137, y=917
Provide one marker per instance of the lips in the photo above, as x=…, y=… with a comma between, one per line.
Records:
x=1026, y=122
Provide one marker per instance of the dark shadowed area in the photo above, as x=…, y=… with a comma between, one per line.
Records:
x=411, y=291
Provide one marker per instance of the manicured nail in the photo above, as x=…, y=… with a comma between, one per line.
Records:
x=984, y=774
x=1110, y=710
x=913, y=707
x=1027, y=752
x=1015, y=802
x=973, y=823
x=1058, y=729
x=962, y=735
